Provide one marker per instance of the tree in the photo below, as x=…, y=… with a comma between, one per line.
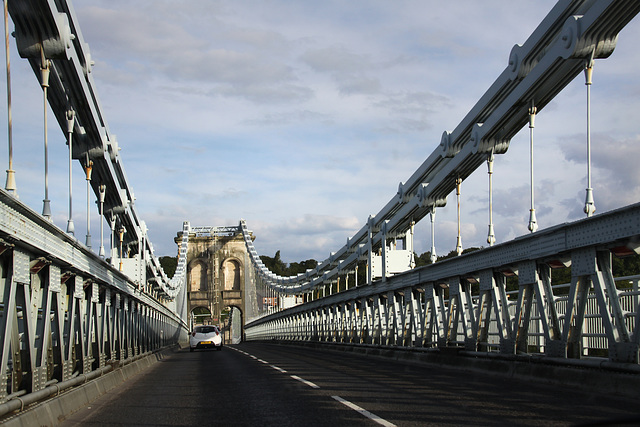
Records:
x=423, y=259
x=296, y=268
x=279, y=267
x=169, y=265
x=626, y=266
x=275, y=264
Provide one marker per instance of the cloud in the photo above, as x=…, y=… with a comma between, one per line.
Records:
x=302, y=117
x=309, y=234
x=336, y=60
x=614, y=167
x=290, y=117
x=311, y=224
x=262, y=93
x=228, y=61
x=413, y=111
x=349, y=70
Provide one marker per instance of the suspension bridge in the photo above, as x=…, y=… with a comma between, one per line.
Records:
x=75, y=314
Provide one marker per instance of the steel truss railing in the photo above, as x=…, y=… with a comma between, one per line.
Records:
x=567, y=40
x=454, y=302
x=65, y=311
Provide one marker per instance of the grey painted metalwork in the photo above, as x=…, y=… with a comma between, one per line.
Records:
x=48, y=33
x=463, y=301
x=410, y=309
x=566, y=41
x=65, y=311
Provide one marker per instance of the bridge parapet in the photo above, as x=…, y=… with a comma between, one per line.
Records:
x=463, y=302
x=65, y=311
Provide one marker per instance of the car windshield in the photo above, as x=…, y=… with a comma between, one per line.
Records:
x=205, y=329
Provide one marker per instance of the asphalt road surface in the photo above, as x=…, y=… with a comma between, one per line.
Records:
x=254, y=384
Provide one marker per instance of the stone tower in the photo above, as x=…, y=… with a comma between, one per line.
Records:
x=220, y=279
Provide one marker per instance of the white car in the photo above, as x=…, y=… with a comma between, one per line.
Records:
x=205, y=337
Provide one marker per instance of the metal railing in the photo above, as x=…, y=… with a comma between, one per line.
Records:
x=463, y=301
x=65, y=312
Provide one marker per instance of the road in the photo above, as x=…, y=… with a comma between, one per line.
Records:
x=253, y=384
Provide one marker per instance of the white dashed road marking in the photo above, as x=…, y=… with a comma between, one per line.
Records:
x=364, y=412
x=309, y=383
x=348, y=404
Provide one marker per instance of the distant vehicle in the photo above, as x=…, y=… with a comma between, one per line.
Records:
x=205, y=337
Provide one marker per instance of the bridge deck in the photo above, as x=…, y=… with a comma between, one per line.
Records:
x=253, y=384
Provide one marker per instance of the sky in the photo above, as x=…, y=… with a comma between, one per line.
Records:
x=303, y=117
